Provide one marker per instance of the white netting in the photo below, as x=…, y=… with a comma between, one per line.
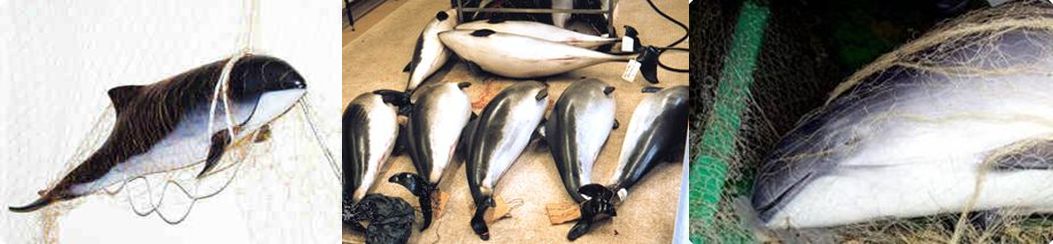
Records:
x=964, y=52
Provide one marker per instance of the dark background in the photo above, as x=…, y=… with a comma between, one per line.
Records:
x=809, y=47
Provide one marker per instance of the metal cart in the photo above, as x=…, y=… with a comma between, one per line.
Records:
x=609, y=10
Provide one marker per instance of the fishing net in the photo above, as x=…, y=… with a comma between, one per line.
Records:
x=770, y=110
x=791, y=78
x=285, y=156
x=262, y=191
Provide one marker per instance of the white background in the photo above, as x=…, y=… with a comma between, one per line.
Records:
x=58, y=59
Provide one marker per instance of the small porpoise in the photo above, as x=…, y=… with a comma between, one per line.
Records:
x=164, y=126
x=657, y=131
x=547, y=32
x=920, y=140
x=370, y=131
x=497, y=138
x=519, y=56
x=577, y=129
x=429, y=54
x=439, y=113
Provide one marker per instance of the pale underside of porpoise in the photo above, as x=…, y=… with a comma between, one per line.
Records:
x=497, y=138
x=370, y=130
x=657, y=130
x=655, y=134
x=577, y=130
x=433, y=131
x=429, y=54
x=518, y=56
x=165, y=126
x=909, y=142
x=438, y=117
x=540, y=31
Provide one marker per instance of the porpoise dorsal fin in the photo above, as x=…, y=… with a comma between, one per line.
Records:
x=541, y=94
x=651, y=89
x=1025, y=155
x=121, y=96
x=409, y=67
x=483, y=32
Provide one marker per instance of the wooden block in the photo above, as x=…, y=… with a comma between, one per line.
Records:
x=438, y=203
x=502, y=210
x=559, y=213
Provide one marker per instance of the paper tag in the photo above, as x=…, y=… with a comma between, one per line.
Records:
x=605, y=35
x=627, y=44
x=439, y=203
x=559, y=213
x=631, y=70
x=498, y=212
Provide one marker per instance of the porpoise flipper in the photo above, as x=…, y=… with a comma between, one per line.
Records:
x=478, y=221
x=400, y=99
x=401, y=141
x=220, y=140
x=986, y=220
x=600, y=205
x=474, y=68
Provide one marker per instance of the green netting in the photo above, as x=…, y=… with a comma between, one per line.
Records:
x=762, y=93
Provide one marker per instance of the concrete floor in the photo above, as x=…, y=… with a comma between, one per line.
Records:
x=366, y=21
x=374, y=59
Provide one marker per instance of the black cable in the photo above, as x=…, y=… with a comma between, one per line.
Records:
x=677, y=42
x=347, y=10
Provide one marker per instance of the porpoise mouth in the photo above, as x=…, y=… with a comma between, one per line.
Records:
x=773, y=200
x=274, y=104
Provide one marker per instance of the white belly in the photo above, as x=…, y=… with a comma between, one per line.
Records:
x=188, y=144
x=926, y=164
